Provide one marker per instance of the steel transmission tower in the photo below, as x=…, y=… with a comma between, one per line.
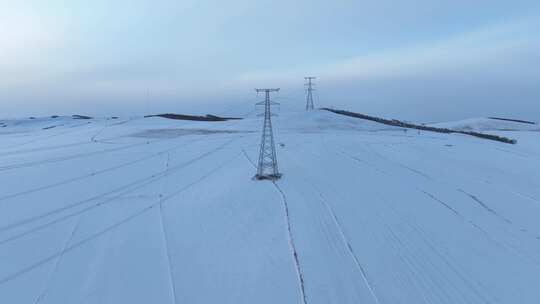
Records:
x=309, y=97
x=267, y=167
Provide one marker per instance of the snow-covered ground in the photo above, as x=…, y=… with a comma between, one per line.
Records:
x=150, y=210
x=487, y=124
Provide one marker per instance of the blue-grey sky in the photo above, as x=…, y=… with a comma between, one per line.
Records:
x=419, y=59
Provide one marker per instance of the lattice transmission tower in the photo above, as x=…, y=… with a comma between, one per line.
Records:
x=267, y=167
x=309, y=92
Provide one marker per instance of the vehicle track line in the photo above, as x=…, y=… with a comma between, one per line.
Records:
x=70, y=157
x=501, y=244
x=350, y=249
x=130, y=188
x=95, y=173
x=57, y=263
x=167, y=252
x=292, y=246
x=110, y=228
x=166, y=241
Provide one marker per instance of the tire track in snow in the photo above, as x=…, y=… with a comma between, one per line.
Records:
x=166, y=240
x=30, y=164
x=349, y=247
x=57, y=263
x=47, y=148
x=497, y=214
x=450, y=184
x=510, y=190
x=489, y=182
x=405, y=260
x=95, y=173
x=363, y=162
x=292, y=245
x=402, y=252
x=56, y=147
x=72, y=247
x=445, y=256
x=93, y=138
x=523, y=256
x=40, y=138
x=167, y=252
x=412, y=264
x=12, y=276
x=433, y=248
x=434, y=198
x=129, y=189
x=485, y=206
x=344, y=238
x=501, y=244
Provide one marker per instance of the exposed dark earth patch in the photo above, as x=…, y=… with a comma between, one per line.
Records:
x=208, y=117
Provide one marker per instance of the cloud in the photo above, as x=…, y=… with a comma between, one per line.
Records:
x=494, y=45
x=478, y=48
x=25, y=32
x=101, y=54
x=492, y=70
x=28, y=43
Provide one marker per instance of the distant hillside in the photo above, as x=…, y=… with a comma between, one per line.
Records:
x=430, y=128
x=489, y=124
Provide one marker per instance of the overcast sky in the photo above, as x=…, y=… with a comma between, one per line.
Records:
x=423, y=60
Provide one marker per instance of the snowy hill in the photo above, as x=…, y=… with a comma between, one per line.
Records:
x=152, y=210
x=487, y=124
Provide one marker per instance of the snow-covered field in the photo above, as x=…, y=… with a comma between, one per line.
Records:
x=487, y=124
x=150, y=210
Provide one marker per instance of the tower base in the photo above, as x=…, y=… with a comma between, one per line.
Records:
x=271, y=177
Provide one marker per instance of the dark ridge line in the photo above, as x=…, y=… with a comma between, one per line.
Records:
x=76, y=116
x=398, y=123
x=208, y=117
x=514, y=120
